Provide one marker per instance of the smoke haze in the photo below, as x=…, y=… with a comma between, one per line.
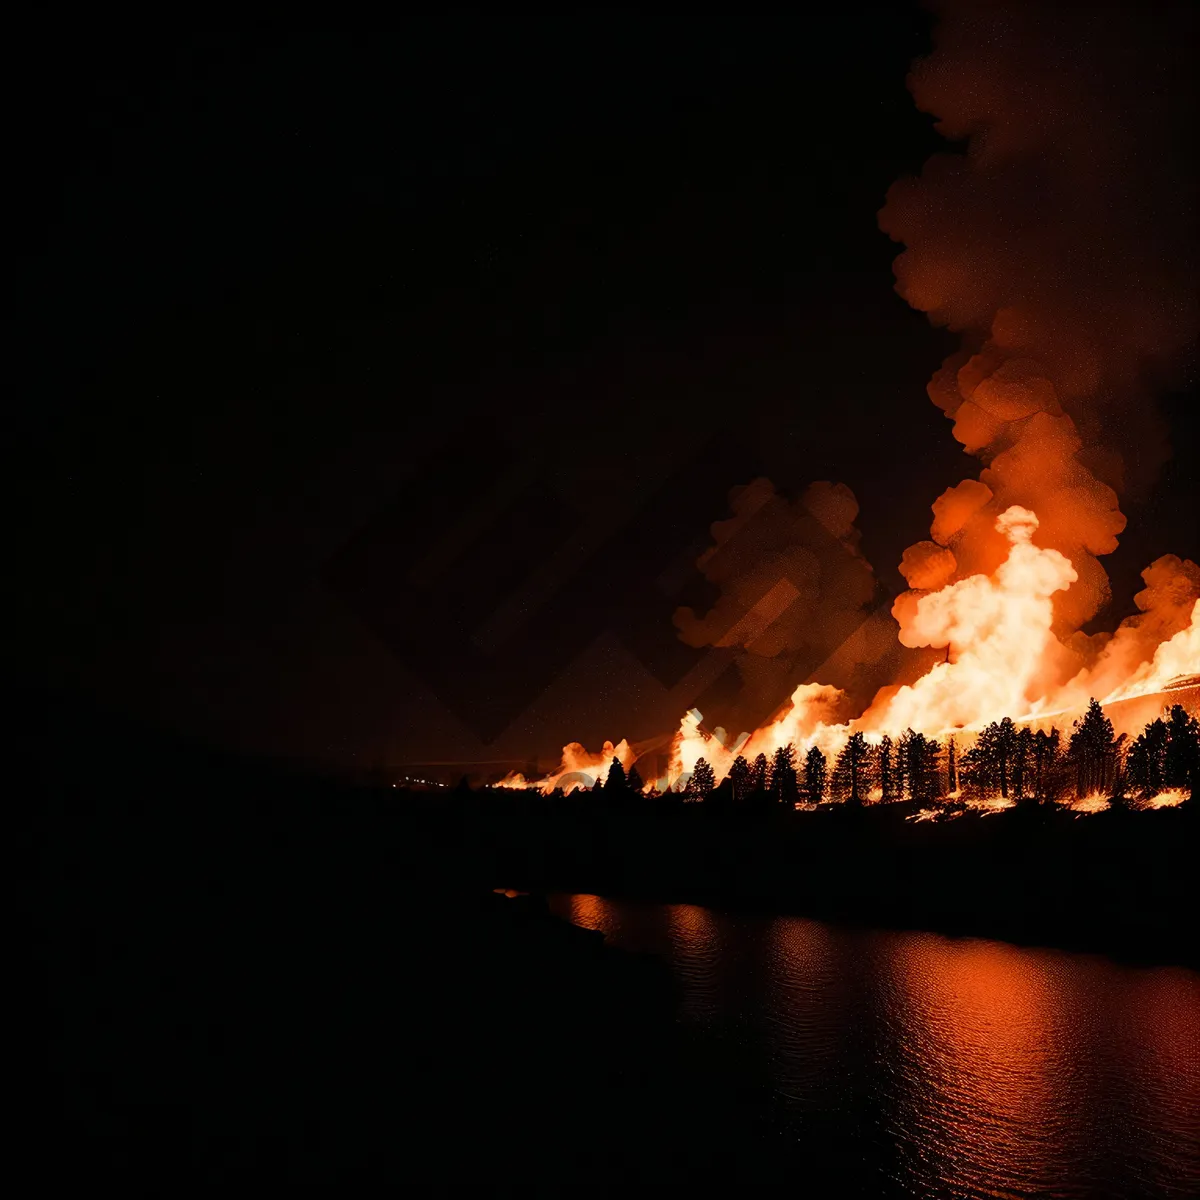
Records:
x=1060, y=244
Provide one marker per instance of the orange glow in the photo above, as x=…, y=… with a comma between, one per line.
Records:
x=1006, y=656
x=990, y=804
x=592, y=912
x=1176, y=658
x=1168, y=799
x=927, y=814
x=579, y=768
x=983, y=1020
x=998, y=630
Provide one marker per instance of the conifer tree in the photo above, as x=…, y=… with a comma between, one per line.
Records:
x=1022, y=762
x=1147, y=760
x=1181, y=762
x=887, y=788
x=852, y=773
x=759, y=773
x=703, y=780
x=634, y=781
x=1092, y=750
x=739, y=778
x=1045, y=763
x=988, y=765
x=615, y=784
x=815, y=775
x=783, y=775
x=924, y=775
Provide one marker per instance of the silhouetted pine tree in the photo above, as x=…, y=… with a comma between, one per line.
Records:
x=1022, y=762
x=815, y=776
x=852, y=773
x=1092, y=749
x=703, y=780
x=1046, y=755
x=740, y=778
x=783, y=775
x=924, y=768
x=759, y=773
x=634, y=781
x=951, y=766
x=1006, y=747
x=989, y=762
x=887, y=783
x=616, y=783
x=1181, y=763
x=1146, y=763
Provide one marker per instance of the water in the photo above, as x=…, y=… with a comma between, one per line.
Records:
x=932, y=1066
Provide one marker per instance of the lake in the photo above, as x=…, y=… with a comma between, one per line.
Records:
x=908, y=1063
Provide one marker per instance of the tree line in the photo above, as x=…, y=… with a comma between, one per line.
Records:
x=1007, y=760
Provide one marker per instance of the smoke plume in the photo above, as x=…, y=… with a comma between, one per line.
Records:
x=1058, y=239
x=1060, y=242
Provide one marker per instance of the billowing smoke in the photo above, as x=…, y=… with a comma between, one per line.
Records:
x=793, y=587
x=1166, y=608
x=1061, y=245
x=1059, y=241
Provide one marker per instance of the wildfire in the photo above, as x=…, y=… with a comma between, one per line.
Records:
x=1004, y=660
x=926, y=814
x=1046, y=390
x=1168, y=799
x=998, y=631
x=1176, y=658
x=991, y=804
x=579, y=768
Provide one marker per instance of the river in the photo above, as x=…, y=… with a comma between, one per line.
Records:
x=915, y=1064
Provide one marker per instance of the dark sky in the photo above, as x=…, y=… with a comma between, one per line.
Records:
x=373, y=397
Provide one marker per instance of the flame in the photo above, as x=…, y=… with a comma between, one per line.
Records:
x=1167, y=799
x=1176, y=658
x=578, y=769
x=805, y=722
x=998, y=630
x=1003, y=660
x=991, y=804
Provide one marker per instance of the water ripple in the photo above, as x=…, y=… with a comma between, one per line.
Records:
x=939, y=1066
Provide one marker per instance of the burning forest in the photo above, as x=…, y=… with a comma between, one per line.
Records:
x=1069, y=297
x=393, y=410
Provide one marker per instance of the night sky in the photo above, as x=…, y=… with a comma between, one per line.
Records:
x=373, y=397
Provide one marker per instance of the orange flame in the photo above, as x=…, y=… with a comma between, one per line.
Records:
x=1168, y=799
x=1176, y=658
x=579, y=768
x=1003, y=660
x=998, y=631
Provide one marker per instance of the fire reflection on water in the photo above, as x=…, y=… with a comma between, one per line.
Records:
x=938, y=1066
x=980, y=1028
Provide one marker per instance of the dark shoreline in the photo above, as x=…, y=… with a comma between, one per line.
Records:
x=286, y=988
x=1116, y=883
x=239, y=971
x=1128, y=955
